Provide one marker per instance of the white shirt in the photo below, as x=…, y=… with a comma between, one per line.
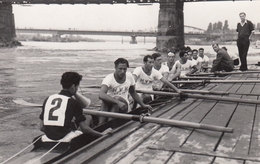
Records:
x=157, y=84
x=117, y=89
x=185, y=68
x=233, y=56
x=144, y=81
x=204, y=60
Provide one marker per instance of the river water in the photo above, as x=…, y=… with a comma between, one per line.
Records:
x=32, y=72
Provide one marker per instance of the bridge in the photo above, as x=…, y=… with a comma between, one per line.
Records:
x=192, y=32
x=170, y=24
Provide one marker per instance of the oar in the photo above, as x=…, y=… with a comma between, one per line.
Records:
x=215, y=81
x=25, y=103
x=228, y=99
x=205, y=92
x=143, y=118
x=197, y=78
x=198, y=91
x=223, y=73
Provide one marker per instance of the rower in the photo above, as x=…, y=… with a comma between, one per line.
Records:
x=59, y=110
x=187, y=66
x=204, y=61
x=115, y=89
x=145, y=75
x=196, y=59
x=163, y=69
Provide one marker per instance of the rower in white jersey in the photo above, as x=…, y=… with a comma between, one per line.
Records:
x=144, y=77
x=163, y=69
x=187, y=66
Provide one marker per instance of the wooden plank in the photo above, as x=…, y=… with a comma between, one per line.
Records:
x=227, y=161
x=251, y=162
x=255, y=138
x=190, y=159
x=130, y=143
x=217, y=115
x=242, y=121
x=154, y=156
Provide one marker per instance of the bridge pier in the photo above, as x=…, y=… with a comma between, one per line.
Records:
x=170, y=25
x=7, y=26
x=133, y=40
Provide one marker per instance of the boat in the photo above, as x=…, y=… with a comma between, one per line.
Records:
x=49, y=152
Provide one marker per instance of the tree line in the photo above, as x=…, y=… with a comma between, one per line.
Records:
x=220, y=27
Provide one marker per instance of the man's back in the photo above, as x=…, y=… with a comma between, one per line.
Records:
x=57, y=114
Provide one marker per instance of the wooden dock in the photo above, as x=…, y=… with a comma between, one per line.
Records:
x=139, y=143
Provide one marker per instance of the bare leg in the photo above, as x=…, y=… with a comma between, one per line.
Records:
x=104, y=107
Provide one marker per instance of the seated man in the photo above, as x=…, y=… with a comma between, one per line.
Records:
x=170, y=60
x=196, y=59
x=233, y=56
x=59, y=110
x=115, y=89
x=187, y=66
x=223, y=62
x=163, y=69
x=144, y=77
x=204, y=60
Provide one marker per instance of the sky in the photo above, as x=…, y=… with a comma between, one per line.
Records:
x=131, y=16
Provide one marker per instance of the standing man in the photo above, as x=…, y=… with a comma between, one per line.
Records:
x=222, y=61
x=145, y=75
x=59, y=110
x=115, y=89
x=245, y=31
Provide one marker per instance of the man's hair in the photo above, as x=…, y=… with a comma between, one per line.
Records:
x=70, y=78
x=146, y=58
x=201, y=49
x=122, y=61
x=214, y=44
x=242, y=13
x=181, y=54
x=156, y=55
x=194, y=50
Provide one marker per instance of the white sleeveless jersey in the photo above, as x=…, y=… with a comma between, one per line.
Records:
x=55, y=110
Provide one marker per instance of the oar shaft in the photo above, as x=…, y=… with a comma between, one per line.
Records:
x=215, y=81
x=199, y=78
x=224, y=73
x=159, y=121
x=204, y=92
x=228, y=99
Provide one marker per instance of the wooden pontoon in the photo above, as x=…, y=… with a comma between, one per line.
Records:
x=137, y=142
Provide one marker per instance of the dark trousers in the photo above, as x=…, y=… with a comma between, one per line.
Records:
x=224, y=67
x=243, y=46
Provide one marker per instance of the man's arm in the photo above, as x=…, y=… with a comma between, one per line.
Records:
x=170, y=85
x=177, y=73
x=216, y=62
x=86, y=129
x=84, y=102
x=105, y=97
x=138, y=99
x=194, y=69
